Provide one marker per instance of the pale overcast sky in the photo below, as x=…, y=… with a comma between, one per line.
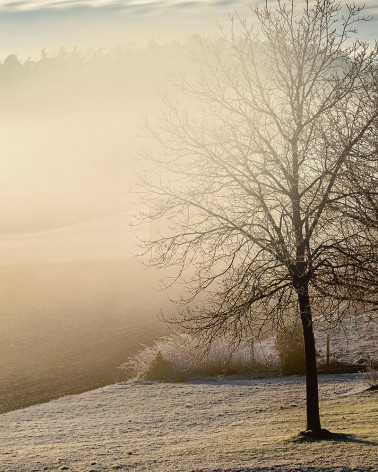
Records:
x=28, y=26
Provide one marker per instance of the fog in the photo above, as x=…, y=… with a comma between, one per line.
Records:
x=74, y=301
x=69, y=132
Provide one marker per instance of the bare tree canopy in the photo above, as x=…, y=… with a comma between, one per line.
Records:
x=264, y=185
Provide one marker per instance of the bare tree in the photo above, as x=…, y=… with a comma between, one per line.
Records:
x=256, y=179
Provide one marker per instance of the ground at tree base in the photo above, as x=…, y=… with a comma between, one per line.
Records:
x=289, y=469
x=230, y=425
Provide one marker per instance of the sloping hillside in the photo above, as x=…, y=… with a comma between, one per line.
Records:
x=74, y=304
x=234, y=425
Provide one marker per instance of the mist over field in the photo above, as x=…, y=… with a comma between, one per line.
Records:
x=71, y=128
x=74, y=301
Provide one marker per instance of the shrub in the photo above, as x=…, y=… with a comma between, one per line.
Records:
x=290, y=347
x=371, y=376
x=159, y=369
x=169, y=358
x=181, y=356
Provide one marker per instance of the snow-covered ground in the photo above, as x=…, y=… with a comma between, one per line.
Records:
x=232, y=424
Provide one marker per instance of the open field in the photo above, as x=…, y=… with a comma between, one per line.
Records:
x=65, y=327
x=232, y=424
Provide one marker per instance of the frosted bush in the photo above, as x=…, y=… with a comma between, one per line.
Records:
x=290, y=347
x=181, y=356
x=370, y=376
x=175, y=349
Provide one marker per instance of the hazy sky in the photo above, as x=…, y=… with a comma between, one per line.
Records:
x=28, y=26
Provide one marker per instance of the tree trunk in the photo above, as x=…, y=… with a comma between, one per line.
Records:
x=312, y=396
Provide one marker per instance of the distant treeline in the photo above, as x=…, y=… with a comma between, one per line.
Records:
x=74, y=77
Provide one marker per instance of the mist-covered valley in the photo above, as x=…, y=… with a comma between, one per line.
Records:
x=75, y=302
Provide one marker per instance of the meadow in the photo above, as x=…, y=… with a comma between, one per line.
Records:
x=218, y=425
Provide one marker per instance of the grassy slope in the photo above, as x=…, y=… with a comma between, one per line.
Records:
x=66, y=327
x=266, y=441
x=228, y=425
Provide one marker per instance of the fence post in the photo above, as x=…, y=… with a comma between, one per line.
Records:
x=328, y=351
